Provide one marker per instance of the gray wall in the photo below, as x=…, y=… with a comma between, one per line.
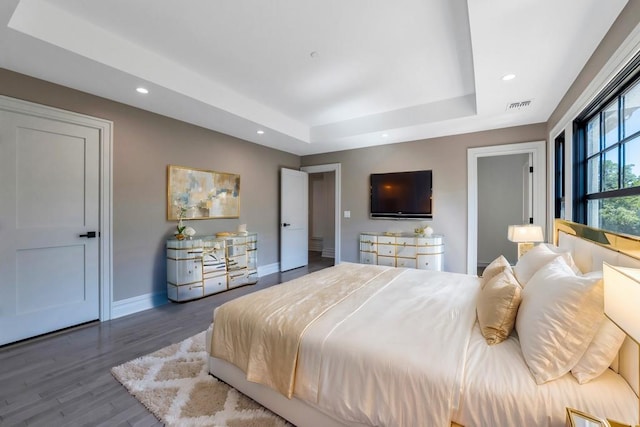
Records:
x=446, y=156
x=500, y=203
x=144, y=144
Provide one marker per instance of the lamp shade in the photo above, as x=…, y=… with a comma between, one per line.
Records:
x=622, y=298
x=525, y=233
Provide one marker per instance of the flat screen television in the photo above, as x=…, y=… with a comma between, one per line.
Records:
x=401, y=195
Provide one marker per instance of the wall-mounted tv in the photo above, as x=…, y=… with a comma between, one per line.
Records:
x=401, y=195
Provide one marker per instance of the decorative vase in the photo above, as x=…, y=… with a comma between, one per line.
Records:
x=428, y=231
x=180, y=236
x=189, y=232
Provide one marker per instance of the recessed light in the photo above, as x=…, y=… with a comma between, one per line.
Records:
x=142, y=90
x=508, y=77
x=314, y=54
x=260, y=132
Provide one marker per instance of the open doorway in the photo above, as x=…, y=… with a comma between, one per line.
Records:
x=537, y=187
x=504, y=198
x=324, y=210
x=321, y=215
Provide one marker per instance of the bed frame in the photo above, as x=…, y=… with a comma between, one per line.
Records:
x=589, y=246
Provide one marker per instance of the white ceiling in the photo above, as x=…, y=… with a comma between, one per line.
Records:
x=382, y=72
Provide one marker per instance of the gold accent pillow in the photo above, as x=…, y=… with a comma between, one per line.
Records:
x=496, y=267
x=497, y=307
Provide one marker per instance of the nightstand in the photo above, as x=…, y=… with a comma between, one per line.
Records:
x=577, y=418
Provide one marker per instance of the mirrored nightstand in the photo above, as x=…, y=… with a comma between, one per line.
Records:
x=577, y=418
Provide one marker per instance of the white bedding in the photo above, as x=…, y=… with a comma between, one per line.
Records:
x=500, y=391
x=410, y=353
x=396, y=360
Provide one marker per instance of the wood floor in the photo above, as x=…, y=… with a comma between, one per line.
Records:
x=64, y=379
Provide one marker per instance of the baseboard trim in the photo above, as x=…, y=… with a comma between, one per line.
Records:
x=133, y=305
x=265, y=270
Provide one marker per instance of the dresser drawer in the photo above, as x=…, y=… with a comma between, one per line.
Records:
x=368, y=238
x=185, y=292
x=434, y=249
x=238, y=279
x=368, y=258
x=215, y=284
x=237, y=262
x=406, y=262
x=387, y=240
x=368, y=246
x=252, y=276
x=430, y=262
x=233, y=250
x=252, y=259
x=387, y=261
x=184, y=271
x=406, y=251
x=436, y=239
x=386, y=250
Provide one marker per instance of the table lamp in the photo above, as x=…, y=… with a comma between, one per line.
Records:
x=622, y=299
x=525, y=236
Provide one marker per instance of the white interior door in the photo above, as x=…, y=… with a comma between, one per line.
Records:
x=49, y=188
x=294, y=219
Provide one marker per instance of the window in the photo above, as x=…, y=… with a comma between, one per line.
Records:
x=608, y=159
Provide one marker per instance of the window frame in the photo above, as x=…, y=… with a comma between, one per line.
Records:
x=613, y=92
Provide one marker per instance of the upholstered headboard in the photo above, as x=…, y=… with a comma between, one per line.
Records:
x=590, y=247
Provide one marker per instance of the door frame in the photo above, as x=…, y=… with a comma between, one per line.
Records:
x=537, y=150
x=105, y=129
x=332, y=167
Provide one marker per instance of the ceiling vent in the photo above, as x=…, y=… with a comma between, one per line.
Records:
x=519, y=105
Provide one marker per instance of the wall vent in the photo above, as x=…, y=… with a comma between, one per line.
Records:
x=519, y=105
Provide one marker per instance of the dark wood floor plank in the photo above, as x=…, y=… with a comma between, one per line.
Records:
x=64, y=378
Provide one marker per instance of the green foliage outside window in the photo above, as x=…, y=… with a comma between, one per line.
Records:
x=620, y=214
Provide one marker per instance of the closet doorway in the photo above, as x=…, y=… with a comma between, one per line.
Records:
x=537, y=187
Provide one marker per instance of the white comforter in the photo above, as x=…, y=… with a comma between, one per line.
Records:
x=392, y=356
x=500, y=391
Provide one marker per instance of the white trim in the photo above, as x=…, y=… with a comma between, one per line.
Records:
x=537, y=151
x=332, y=167
x=265, y=270
x=627, y=50
x=105, y=128
x=145, y=302
x=133, y=305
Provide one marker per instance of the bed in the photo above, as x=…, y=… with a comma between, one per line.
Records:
x=381, y=346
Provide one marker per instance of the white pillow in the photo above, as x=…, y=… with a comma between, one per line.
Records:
x=557, y=319
x=565, y=254
x=602, y=351
x=532, y=261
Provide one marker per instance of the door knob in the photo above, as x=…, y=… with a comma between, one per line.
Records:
x=89, y=235
x=285, y=224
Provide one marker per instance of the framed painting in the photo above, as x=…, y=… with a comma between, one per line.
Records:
x=202, y=194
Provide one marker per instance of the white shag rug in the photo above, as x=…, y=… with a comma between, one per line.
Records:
x=175, y=385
